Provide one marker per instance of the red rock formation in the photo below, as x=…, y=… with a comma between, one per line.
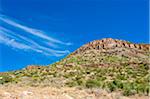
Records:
x=109, y=43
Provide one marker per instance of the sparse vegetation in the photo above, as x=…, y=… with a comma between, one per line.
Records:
x=128, y=74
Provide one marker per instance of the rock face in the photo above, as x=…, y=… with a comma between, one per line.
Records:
x=109, y=43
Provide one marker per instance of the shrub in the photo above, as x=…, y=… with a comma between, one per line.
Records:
x=112, y=86
x=92, y=83
x=127, y=89
x=5, y=79
x=72, y=83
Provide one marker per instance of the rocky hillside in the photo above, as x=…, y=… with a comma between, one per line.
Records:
x=109, y=64
x=109, y=43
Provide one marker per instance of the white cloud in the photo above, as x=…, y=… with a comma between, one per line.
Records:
x=17, y=36
x=13, y=43
x=17, y=41
x=32, y=31
x=39, y=49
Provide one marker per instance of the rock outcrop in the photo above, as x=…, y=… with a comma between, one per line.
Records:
x=109, y=43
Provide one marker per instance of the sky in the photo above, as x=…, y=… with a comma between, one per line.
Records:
x=41, y=32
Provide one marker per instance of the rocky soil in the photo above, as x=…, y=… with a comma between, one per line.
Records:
x=18, y=92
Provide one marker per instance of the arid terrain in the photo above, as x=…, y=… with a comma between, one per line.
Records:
x=16, y=92
x=101, y=69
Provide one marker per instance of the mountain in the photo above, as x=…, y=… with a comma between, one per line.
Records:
x=109, y=64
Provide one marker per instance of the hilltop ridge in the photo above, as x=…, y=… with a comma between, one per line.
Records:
x=108, y=43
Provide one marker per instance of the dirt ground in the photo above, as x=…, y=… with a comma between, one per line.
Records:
x=17, y=92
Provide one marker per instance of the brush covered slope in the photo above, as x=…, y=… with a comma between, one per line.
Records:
x=110, y=64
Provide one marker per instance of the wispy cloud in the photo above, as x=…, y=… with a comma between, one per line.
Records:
x=15, y=40
x=13, y=43
x=32, y=31
x=17, y=36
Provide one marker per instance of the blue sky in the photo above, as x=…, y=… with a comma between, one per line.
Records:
x=44, y=31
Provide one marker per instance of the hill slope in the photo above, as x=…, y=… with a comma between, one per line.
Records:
x=109, y=64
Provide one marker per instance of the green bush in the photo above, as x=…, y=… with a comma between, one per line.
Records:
x=111, y=86
x=72, y=83
x=5, y=79
x=92, y=83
